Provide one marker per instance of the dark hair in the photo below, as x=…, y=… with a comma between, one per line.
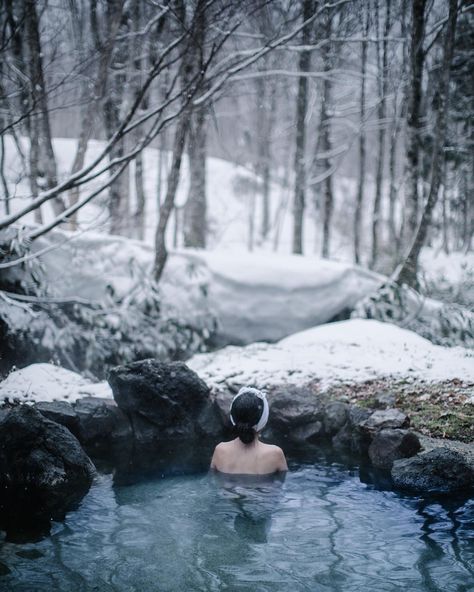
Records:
x=246, y=411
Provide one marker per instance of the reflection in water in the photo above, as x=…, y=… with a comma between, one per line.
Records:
x=255, y=498
x=321, y=529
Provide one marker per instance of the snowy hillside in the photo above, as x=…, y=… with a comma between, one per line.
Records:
x=232, y=192
x=355, y=350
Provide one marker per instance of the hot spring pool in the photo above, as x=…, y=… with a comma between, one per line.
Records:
x=322, y=529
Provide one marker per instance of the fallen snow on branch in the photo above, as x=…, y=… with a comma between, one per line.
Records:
x=355, y=350
x=47, y=382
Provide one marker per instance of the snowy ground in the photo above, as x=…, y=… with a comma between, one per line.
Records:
x=46, y=382
x=355, y=350
x=348, y=351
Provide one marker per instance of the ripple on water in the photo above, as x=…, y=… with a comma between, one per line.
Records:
x=322, y=529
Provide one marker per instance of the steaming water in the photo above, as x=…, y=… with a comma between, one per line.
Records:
x=321, y=529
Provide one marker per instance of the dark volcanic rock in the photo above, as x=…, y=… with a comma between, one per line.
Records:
x=384, y=400
x=168, y=395
x=387, y=418
x=309, y=432
x=335, y=416
x=297, y=413
x=440, y=471
x=42, y=465
x=293, y=407
x=210, y=422
x=61, y=412
x=101, y=422
x=353, y=435
x=390, y=445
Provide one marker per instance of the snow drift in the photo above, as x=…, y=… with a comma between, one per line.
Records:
x=355, y=351
x=347, y=351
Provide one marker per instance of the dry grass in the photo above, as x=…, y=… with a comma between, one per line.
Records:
x=441, y=410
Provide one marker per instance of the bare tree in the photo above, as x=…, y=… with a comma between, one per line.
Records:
x=104, y=48
x=408, y=270
x=412, y=160
x=300, y=146
x=362, y=140
x=381, y=113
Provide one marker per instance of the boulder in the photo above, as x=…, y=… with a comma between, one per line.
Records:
x=297, y=413
x=42, y=465
x=210, y=422
x=294, y=406
x=353, y=435
x=61, y=412
x=384, y=400
x=389, y=445
x=168, y=396
x=439, y=471
x=101, y=422
x=386, y=418
x=358, y=415
x=335, y=416
x=309, y=432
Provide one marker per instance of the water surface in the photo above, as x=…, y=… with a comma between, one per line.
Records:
x=322, y=529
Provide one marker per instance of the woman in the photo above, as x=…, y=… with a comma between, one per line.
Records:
x=246, y=455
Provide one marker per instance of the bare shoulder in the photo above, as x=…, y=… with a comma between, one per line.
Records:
x=271, y=449
x=219, y=453
x=277, y=456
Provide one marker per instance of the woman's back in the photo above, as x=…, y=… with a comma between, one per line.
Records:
x=256, y=458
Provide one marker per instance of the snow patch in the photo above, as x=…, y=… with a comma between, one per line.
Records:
x=47, y=382
x=347, y=351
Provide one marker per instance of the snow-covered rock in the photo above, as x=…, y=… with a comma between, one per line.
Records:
x=263, y=297
x=47, y=382
x=255, y=296
x=355, y=350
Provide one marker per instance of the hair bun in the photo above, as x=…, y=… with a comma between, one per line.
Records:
x=245, y=432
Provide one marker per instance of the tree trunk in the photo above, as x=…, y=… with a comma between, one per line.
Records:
x=195, y=210
x=301, y=106
x=412, y=160
x=40, y=102
x=161, y=253
x=2, y=175
x=444, y=204
x=381, y=112
x=88, y=114
x=33, y=169
x=139, y=215
x=393, y=189
x=266, y=95
x=119, y=189
x=362, y=153
x=408, y=270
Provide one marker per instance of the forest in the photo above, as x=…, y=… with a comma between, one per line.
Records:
x=298, y=93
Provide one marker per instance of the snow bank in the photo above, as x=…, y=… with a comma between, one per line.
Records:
x=354, y=351
x=254, y=296
x=349, y=351
x=46, y=382
x=263, y=297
